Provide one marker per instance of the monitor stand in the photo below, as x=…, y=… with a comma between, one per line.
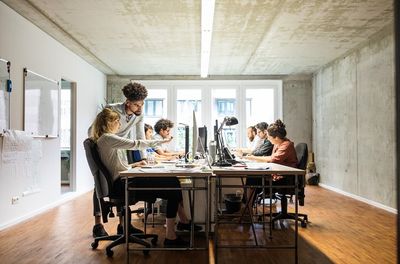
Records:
x=222, y=163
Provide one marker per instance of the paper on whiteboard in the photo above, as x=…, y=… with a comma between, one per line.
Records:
x=19, y=147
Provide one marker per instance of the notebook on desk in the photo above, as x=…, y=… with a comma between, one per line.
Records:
x=156, y=166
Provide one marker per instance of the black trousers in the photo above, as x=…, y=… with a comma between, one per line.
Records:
x=173, y=197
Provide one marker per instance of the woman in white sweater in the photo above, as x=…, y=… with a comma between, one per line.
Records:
x=113, y=155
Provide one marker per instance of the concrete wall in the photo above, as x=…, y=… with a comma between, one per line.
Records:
x=354, y=121
x=25, y=45
x=297, y=109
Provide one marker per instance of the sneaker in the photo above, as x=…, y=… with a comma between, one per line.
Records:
x=132, y=230
x=187, y=227
x=99, y=231
x=178, y=242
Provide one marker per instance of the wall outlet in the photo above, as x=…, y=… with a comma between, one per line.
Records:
x=15, y=200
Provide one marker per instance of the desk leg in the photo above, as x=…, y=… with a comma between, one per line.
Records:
x=296, y=232
x=207, y=184
x=192, y=213
x=217, y=199
x=126, y=224
x=270, y=207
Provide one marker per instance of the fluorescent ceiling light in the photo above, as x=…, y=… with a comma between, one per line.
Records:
x=207, y=19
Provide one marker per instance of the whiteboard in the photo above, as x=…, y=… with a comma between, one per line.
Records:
x=41, y=105
x=4, y=96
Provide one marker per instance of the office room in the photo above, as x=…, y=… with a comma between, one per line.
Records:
x=326, y=69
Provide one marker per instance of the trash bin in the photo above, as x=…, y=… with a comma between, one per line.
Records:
x=232, y=202
x=312, y=178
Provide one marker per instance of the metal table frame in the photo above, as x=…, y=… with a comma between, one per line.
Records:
x=194, y=175
x=266, y=175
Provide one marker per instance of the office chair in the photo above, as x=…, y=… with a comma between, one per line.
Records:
x=284, y=193
x=104, y=189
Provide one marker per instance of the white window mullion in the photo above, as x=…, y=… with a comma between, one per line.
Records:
x=171, y=111
x=206, y=113
x=241, y=115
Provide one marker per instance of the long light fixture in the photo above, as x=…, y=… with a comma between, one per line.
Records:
x=207, y=19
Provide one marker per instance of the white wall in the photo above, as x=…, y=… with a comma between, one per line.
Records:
x=354, y=122
x=25, y=45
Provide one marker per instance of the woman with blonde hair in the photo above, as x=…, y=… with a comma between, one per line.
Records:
x=112, y=153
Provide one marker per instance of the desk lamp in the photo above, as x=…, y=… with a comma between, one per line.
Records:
x=221, y=148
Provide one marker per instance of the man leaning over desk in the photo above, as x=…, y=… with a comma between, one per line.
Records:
x=132, y=127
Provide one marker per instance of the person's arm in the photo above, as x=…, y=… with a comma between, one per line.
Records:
x=242, y=151
x=139, y=127
x=138, y=164
x=258, y=158
x=115, y=141
x=264, y=150
x=166, y=153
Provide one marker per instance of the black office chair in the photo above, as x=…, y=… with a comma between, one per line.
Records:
x=104, y=189
x=285, y=193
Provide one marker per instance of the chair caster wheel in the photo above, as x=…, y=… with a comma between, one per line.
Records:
x=94, y=245
x=154, y=241
x=304, y=224
x=109, y=253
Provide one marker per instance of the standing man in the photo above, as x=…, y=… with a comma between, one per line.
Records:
x=132, y=127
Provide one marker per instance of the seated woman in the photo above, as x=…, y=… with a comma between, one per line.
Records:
x=110, y=146
x=283, y=151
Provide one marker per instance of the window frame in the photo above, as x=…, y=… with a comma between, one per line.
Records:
x=207, y=86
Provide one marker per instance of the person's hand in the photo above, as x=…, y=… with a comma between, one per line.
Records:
x=249, y=157
x=239, y=153
x=139, y=164
x=173, y=157
x=276, y=177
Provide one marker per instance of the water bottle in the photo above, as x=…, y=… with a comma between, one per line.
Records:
x=150, y=157
x=212, y=148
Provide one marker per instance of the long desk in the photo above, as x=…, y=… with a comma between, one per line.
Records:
x=170, y=171
x=265, y=171
x=262, y=170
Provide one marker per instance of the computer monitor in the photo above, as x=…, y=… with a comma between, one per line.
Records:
x=202, y=140
x=194, y=136
x=190, y=154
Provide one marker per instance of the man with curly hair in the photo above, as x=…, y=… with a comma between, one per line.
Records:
x=132, y=127
x=163, y=131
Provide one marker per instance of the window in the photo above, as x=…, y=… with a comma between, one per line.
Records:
x=250, y=101
x=188, y=100
x=155, y=105
x=225, y=105
x=260, y=106
x=65, y=133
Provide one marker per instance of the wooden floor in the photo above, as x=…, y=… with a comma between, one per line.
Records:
x=342, y=230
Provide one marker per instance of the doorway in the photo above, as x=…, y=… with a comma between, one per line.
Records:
x=67, y=135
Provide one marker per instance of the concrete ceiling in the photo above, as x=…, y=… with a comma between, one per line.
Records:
x=250, y=37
